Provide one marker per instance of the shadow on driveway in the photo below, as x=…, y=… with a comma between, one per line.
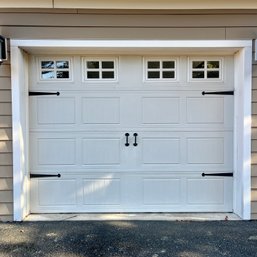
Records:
x=129, y=239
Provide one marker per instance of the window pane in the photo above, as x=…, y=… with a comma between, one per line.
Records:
x=93, y=75
x=168, y=74
x=62, y=74
x=107, y=65
x=168, y=65
x=47, y=64
x=198, y=64
x=93, y=65
x=213, y=64
x=213, y=74
x=108, y=75
x=47, y=75
x=62, y=64
x=153, y=65
x=153, y=74
x=198, y=74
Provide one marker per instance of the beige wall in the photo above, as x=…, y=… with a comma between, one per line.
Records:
x=254, y=140
x=131, y=4
x=85, y=24
x=6, y=196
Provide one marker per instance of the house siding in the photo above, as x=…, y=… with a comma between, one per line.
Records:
x=89, y=24
x=6, y=171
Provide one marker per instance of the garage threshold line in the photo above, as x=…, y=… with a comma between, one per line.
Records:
x=133, y=216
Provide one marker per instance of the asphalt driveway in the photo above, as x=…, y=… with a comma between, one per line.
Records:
x=129, y=239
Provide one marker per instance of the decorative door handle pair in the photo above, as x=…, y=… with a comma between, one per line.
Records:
x=127, y=139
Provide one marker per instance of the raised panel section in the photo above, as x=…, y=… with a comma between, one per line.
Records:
x=57, y=192
x=160, y=110
x=205, y=150
x=205, y=191
x=61, y=151
x=101, y=151
x=162, y=191
x=101, y=191
x=205, y=110
x=161, y=150
x=101, y=110
x=56, y=111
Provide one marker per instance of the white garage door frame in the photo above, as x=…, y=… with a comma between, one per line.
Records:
x=242, y=104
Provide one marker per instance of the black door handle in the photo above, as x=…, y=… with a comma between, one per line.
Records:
x=127, y=136
x=135, y=135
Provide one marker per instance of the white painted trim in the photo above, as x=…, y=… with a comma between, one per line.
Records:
x=242, y=133
x=132, y=43
x=19, y=129
x=242, y=164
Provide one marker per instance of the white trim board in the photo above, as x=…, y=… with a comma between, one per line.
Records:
x=242, y=51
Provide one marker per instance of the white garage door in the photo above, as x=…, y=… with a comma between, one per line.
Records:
x=131, y=134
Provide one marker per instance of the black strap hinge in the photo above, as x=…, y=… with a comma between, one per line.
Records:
x=218, y=93
x=44, y=175
x=43, y=93
x=227, y=174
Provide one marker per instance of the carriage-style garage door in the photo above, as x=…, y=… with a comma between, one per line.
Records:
x=131, y=133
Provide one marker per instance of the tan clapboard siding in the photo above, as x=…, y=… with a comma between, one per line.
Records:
x=5, y=83
x=6, y=196
x=254, y=170
x=114, y=33
x=254, y=141
x=160, y=4
x=254, y=207
x=132, y=20
x=5, y=121
x=131, y=4
x=254, y=183
x=5, y=96
x=254, y=195
x=5, y=109
x=5, y=158
x=5, y=134
x=6, y=171
x=254, y=83
x=6, y=218
x=6, y=184
x=5, y=147
x=26, y=4
x=5, y=70
x=6, y=209
x=241, y=33
x=254, y=71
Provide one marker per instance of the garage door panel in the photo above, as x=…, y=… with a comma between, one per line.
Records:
x=56, y=111
x=58, y=151
x=205, y=150
x=63, y=192
x=101, y=110
x=205, y=110
x=163, y=191
x=161, y=150
x=205, y=191
x=101, y=191
x=101, y=151
x=160, y=110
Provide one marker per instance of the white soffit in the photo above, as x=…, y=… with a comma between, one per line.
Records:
x=129, y=47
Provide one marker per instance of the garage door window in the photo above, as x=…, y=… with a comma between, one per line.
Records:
x=100, y=70
x=160, y=70
x=55, y=69
x=206, y=69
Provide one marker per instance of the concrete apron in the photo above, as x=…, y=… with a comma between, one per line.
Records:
x=133, y=216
